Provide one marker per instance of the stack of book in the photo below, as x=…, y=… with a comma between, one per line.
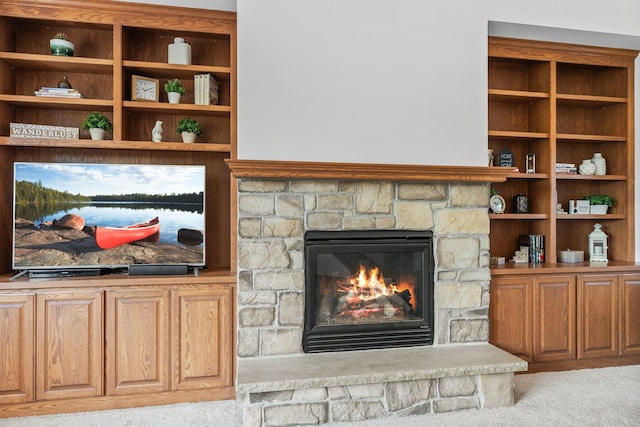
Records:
x=536, y=248
x=566, y=168
x=205, y=89
x=58, y=92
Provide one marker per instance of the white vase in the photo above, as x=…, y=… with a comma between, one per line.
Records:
x=587, y=167
x=97, y=134
x=601, y=164
x=188, y=137
x=173, y=97
x=179, y=52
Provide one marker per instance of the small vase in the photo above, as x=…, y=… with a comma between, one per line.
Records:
x=97, y=134
x=601, y=164
x=61, y=47
x=179, y=52
x=173, y=97
x=188, y=137
x=587, y=167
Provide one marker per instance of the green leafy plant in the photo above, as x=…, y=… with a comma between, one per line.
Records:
x=601, y=199
x=187, y=124
x=61, y=36
x=96, y=120
x=174, y=85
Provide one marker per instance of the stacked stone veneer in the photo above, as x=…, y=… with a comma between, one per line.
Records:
x=273, y=216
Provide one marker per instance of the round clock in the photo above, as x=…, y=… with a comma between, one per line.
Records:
x=497, y=204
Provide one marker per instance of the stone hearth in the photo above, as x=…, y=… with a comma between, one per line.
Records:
x=274, y=212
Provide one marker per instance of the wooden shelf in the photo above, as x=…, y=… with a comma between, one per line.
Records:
x=518, y=216
x=115, y=145
x=518, y=134
x=56, y=103
x=57, y=63
x=578, y=177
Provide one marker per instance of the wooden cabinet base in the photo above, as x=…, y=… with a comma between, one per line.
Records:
x=114, y=402
x=567, y=365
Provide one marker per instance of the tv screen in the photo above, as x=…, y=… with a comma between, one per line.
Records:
x=81, y=215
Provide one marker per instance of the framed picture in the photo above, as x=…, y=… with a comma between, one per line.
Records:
x=531, y=163
x=144, y=89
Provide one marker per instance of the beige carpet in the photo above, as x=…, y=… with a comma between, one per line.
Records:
x=589, y=397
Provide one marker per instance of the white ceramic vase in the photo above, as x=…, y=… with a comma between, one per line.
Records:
x=97, y=134
x=173, y=97
x=188, y=137
x=587, y=167
x=601, y=164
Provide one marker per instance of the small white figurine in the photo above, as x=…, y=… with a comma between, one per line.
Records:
x=522, y=255
x=156, y=132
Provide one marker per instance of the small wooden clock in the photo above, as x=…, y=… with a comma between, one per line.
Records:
x=144, y=89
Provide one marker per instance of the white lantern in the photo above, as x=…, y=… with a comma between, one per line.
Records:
x=598, y=245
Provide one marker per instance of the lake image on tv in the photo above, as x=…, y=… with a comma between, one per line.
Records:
x=69, y=215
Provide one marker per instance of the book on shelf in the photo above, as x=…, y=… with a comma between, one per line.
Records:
x=58, y=92
x=536, y=248
x=566, y=168
x=27, y=130
x=205, y=89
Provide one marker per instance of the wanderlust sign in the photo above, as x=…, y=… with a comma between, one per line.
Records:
x=25, y=130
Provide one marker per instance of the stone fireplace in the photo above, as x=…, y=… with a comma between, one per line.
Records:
x=278, y=204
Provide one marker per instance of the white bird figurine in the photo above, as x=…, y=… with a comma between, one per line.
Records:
x=156, y=132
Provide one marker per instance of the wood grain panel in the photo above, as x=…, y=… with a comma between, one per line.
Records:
x=630, y=313
x=69, y=345
x=17, y=348
x=203, y=338
x=597, y=311
x=554, y=318
x=137, y=341
x=511, y=316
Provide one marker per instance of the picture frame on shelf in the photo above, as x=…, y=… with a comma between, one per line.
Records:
x=145, y=89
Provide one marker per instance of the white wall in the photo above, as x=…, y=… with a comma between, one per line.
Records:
x=388, y=82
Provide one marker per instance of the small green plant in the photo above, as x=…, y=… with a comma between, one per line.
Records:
x=96, y=120
x=174, y=85
x=187, y=124
x=600, y=199
x=61, y=36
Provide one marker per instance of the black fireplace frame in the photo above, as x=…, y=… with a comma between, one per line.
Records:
x=363, y=336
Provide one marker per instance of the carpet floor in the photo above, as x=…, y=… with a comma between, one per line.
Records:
x=588, y=397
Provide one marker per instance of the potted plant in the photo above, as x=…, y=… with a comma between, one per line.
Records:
x=600, y=203
x=174, y=90
x=61, y=46
x=188, y=128
x=97, y=124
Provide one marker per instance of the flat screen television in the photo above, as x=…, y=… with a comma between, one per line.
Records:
x=107, y=216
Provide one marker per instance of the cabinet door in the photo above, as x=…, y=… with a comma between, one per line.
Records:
x=203, y=338
x=597, y=316
x=554, y=309
x=510, y=315
x=630, y=310
x=16, y=348
x=69, y=345
x=137, y=344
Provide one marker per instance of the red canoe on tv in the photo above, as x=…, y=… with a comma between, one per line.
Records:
x=110, y=237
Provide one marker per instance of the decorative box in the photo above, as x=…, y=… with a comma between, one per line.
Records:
x=570, y=256
x=26, y=130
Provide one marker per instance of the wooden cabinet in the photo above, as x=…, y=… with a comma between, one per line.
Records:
x=202, y=338
x=566, y=320
x=630, y=313
x=598, y=315
x=69, y=344
x=137, y=345
x=112, y=44
x=17, y=323
x=562, y=103
x=106, y=343
x=554, y=314
x=511, y=316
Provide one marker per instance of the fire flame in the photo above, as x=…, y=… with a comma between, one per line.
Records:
x=370, y=284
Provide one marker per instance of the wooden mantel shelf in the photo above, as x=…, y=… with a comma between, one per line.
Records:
x=365, y=171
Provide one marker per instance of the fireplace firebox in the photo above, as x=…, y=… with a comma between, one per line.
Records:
x=368, y=289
